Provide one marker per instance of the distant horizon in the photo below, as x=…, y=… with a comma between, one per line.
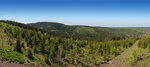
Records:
x=105, y=13
x=78, y=24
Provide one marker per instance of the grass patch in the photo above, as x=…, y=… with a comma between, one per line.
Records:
x=11, y=56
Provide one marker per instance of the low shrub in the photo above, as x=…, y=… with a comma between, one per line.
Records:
x=11, y=56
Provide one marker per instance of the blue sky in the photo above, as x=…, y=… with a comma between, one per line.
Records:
x=107, y=13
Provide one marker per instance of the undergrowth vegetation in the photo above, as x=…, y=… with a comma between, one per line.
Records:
x=45, y=49
x=11, y=56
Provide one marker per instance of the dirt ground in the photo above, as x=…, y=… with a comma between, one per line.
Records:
x=8, y=64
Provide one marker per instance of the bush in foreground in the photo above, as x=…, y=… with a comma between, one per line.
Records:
x=11, y=56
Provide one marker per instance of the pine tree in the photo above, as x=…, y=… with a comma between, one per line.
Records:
x=18, y=46
x=31, y=54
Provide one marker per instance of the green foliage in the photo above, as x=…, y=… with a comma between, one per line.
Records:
x=87, y=32
x=11, y=56
x=31, y=55
x=144, y=42
x=134, y=54
x=113, y=51
x=148, y=47
x=18, y=46
x=60, y=51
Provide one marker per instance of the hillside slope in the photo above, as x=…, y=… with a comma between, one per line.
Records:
x=86, y=32
x=36, y=48
x=5, y=44
x=131, y=57
x=123, y=60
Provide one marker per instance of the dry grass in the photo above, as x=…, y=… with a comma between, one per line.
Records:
x=126, y=58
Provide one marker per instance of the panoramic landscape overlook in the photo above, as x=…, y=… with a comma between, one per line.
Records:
x=75, y=33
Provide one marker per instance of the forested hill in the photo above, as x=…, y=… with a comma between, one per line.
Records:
x=41, y=49
x=25, y=26
x=87, y=32
x=77, y=32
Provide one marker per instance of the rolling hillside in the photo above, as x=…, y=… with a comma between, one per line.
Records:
x=86, y=32
x=33, y=47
